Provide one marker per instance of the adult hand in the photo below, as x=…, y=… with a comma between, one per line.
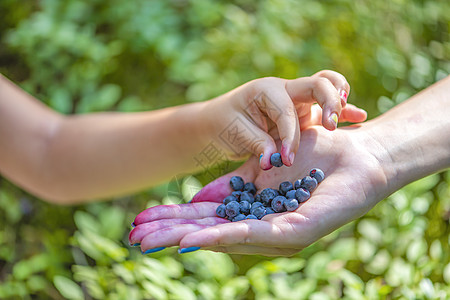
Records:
x=354, y=183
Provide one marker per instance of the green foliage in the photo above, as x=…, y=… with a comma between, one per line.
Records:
x=85, y=56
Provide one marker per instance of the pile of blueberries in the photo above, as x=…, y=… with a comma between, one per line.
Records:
x=244, y=203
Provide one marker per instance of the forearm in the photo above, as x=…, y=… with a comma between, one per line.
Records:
x=107, y=154
x=69, y=159
x=412, y=140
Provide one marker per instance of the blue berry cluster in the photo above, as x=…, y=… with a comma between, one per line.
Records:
x=245, y=203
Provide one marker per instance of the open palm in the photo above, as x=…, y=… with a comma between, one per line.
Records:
x=354, y=183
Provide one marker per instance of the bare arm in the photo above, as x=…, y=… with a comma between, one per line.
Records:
x=363, y=164
x=68, y=159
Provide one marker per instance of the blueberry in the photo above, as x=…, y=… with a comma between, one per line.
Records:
x=246, y=196
x=258, y=198
x=228, y=199
x=291, y=204
x=318, y=174
x=237, y=183
x=239, y=217
x=244, y=207
x=252, y=217
x=236, y=194
x=220, y=211
x=232, y=209
x=259, y=212
x=255, y=205
x=267, y=195
x=277, y=203
x=275, y=160
x=297, y=184
x=290, y=194
x=309, y=183
x=269, y=211
x=250, y=187
x=285, y=187
x=302, y=195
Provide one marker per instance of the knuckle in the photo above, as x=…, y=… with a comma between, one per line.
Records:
x=320, y=83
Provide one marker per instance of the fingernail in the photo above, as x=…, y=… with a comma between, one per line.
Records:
x=343, y=94
x=153, y=250
x=188, y=249
x=291, y=158
x=133, y=225
x=260, y=157
x=136, y=245
x=334, y=119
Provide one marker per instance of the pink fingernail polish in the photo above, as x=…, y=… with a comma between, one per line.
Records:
x=343, y=94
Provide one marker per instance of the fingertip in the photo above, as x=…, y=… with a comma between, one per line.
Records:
x=287, y=155
x=331, y=121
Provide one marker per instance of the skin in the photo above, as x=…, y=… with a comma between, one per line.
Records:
x=363, y=164
x=73, y=159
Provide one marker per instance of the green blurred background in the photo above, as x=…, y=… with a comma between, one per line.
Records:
x=86, y=56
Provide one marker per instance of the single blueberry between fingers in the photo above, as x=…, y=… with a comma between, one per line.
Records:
x=250, y=187
x=232, y=209
x=228, y=199
x=220, y=211
x=237, y=183
x=239, y=217
x=290, y=194
x=309, y=183
x=291, y=204
x=247, y=196
x=275, y=160
x=277, y=204
x=318, y=174
x=285, y=187
x=244, y=207
x=302, y=195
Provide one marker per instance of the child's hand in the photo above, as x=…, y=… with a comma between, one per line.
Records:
x=249, y=118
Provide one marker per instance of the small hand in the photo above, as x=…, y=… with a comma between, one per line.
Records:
x=250, y=118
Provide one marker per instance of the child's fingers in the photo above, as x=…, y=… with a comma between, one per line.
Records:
x=278, y=106
x=321, y=90
x=339, y=82
x=352, y=114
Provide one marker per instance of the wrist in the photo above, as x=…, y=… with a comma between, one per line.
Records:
x=408, y=144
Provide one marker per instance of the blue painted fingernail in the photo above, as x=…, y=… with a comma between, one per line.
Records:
x=136, y=245
x=133, y=225
x=153, y=250
x=260, y=157
x=188, y=249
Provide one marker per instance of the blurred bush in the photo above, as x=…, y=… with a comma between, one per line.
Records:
x=85, y=56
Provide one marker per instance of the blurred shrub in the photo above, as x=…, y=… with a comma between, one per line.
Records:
x=85, y=56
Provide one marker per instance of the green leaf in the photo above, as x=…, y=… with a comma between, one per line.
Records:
x=190, y=187
x=68, y=288
x=112, y=222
